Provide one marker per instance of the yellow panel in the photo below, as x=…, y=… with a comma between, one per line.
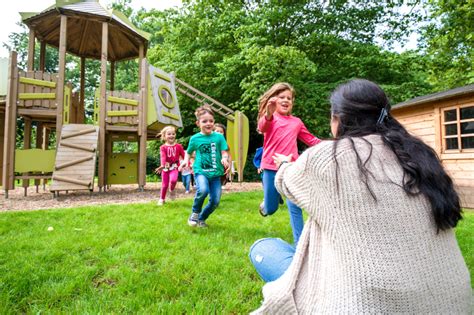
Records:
x=151, y=116
x=37, y=82
x=124, y=101
x=240, y=141
x=117, y=113
x=36, y=96
x=67, y=105
x=34, y=160
x=170, y=115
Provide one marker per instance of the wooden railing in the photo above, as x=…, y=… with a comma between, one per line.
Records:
x=37, y=89
x=122, y=108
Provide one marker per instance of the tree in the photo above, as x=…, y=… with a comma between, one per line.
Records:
x=448, y=42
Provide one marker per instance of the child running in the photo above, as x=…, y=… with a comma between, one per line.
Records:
x=170, y=155
x=281, y=130
x=211, y=162
x=220, y=128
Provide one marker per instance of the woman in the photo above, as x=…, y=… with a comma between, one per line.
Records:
x=379, y=237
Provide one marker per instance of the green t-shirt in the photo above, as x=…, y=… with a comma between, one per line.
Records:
x=208, y=153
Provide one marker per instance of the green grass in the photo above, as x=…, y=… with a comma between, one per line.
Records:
x=141, y=258
x=465, y=237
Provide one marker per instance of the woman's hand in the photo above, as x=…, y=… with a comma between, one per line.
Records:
x=280, y=158
x=271, y=107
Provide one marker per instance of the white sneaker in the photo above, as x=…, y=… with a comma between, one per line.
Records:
x=186, y=192
x=193, y=219
x=161, y=202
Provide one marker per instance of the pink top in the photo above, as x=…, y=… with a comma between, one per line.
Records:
x=280, y=135
x=170, y=154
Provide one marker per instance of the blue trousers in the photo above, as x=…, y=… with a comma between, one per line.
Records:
x=206, y=186
x=271, y=202
x=271, y=257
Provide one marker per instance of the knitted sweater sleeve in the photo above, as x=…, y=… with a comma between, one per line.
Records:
x=301, y=180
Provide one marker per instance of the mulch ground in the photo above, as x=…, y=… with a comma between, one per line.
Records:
x=117, y=194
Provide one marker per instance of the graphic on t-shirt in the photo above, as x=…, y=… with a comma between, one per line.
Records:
x=208, y=156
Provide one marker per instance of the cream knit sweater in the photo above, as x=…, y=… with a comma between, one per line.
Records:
x=358, y=255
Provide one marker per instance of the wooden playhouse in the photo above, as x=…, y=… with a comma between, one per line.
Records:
x=46, y=101
x=445, y=121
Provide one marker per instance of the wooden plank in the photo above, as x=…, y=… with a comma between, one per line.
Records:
x=35, y=177
x=42, y=57
x=72, y=180
x=29, y=89
x=79, y=147
x=83, y=79
x=77, y=161
x=36, y=96
x=142, y=125
x=61, y=76
x=122, y=113
x=38, y=89
x=26, y=144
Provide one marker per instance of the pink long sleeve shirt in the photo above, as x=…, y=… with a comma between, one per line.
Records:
x=280, y=135
x=171, y=154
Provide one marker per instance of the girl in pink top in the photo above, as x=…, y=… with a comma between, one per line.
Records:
x=281, y=130
x=171, y=154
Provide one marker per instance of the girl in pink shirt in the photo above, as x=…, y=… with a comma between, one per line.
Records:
x=171, y=153
x=281, y=130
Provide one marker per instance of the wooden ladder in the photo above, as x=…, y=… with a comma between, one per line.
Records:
x=75, y=158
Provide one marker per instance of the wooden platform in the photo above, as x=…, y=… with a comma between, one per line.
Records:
x=76, y=158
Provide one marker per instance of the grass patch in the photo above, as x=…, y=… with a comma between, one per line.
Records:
x=141, y=258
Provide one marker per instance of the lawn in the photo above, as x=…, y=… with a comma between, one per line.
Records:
x=141, y=258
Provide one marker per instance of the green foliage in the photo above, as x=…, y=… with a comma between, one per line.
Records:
x=448, y=41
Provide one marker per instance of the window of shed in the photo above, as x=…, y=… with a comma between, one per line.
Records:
x=458, y=129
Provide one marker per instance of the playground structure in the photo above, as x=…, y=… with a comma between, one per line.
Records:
x=47, y=101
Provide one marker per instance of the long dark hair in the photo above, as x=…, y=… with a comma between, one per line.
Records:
x=362, y=109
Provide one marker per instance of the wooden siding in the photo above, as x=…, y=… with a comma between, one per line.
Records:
x=32, y=88
x=424, y=121
x=120, y=107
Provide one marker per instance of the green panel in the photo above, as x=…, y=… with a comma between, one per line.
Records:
x=34, y=160
x=121, y=100
x=120, y=113
x=151, y=116
x=122, y=168
x=36, y=96
x=95, y=116
x=66, y=105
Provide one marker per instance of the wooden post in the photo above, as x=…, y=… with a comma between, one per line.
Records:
x=103, y=103
x=26, y=146
x=112, y=75
x=10, y=125
x=31, y=51
x=42, y=56
x=83, y=82
x=142, y=116
x=45, y=146
x=61, y=78
x=39, y=144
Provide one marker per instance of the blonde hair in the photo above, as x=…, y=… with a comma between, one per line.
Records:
x=276, y=89
x=165, y=130
x=204, y=109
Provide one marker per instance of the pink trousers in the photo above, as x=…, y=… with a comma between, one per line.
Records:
x=168, y=179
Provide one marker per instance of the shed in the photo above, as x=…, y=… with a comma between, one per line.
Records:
x=445, y=121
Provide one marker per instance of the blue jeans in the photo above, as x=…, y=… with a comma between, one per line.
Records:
x=271, y=257
x=206, y=186
x=186, y=181
x=271, y=202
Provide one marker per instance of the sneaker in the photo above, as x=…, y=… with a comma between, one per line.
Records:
x=193, y=219
x=173, y=194
x=161, y=202
x=202, y=224
x=261, y=210
x=186, y=192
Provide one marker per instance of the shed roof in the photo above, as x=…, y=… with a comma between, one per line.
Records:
x=460, y=91
x=84, y=29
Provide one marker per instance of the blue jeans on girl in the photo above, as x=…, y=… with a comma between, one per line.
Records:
x=271, y=202
x=271, y=257
x=206, y=186
x=186, y=181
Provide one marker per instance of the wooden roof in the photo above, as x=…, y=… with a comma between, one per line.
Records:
x=444, y=95
x=84, y=29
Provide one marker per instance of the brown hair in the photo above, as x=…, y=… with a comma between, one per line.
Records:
x=164, y=130
x=276, y=89
x=204, y=109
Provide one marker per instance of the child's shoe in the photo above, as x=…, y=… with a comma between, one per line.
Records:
x=186, y=192
x=202, y=224
x=193, y=219
x=261, y=209
x=161, y=202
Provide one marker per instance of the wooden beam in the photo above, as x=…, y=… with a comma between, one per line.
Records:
x=112, y=75
x=73, y=162
x=42, y=56
x=10, y=125
x=83, y=81
x=77, y=133
x=61, y=77
x=84, y=37
x=103, y=104
x=39, y=143
x=72, y=181
x=142, y=126
x=30, y=64
x=26, y=144
x=79, y=147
